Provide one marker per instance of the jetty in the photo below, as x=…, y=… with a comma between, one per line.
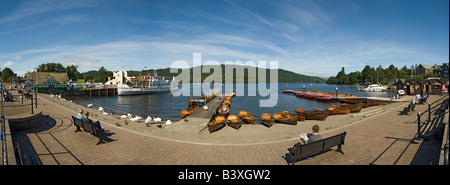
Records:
x=208, y=110
x=98, y=91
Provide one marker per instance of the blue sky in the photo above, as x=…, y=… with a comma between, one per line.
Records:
x=309, y=37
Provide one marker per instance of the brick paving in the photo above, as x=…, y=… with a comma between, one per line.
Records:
x=384, y=139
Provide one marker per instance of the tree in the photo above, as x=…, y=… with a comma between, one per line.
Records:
x=51, y=67
x=73, y=73
x=102, y=75
x=368, y=74
x=6, y=73
x=88, y=77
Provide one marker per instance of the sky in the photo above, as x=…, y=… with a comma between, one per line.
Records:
x=312, y=37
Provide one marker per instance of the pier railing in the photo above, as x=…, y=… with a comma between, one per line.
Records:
x=448, y=136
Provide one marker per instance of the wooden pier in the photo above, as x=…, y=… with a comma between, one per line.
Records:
x=213, y=105
x=108, y=91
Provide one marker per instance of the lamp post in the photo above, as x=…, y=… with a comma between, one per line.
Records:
x=336, y=92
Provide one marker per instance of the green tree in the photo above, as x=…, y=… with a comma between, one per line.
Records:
x=51, y=67
x=72, y=72
x=7, y=72
x=103, y=75
x=368, y=74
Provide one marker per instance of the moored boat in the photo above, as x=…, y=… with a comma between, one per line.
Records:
x=216, y=124
x=225, y=110
x=286, y=118
x=312, y=115
x=246, y=117
x=323, y=98
x=184, y=113
x=234, y=121
x=336, y=109
x=267, y=120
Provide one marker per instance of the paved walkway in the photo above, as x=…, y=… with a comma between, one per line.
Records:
x=380, y=139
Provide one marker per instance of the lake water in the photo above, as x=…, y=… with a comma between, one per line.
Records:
x=168, y=106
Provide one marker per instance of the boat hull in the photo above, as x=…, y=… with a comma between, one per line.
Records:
x=314, y=115
x=267, y=123
x=125, y=91
x=216, y=125
x=236, y=124
x=248, y=120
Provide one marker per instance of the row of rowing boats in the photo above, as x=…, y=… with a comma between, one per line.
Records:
x=318, y=96
x=285, y=117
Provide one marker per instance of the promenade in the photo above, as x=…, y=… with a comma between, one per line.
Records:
x=378, y=137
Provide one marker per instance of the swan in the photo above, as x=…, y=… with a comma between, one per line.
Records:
x=90, y=105
x=137, y=118
x=148, y=120
x=157, y=119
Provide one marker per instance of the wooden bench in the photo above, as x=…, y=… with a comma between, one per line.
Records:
x=90, y=128
x=408, y=109
x=422, y=100
x=300, y=151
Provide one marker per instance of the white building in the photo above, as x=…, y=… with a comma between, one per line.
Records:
x=119, y=77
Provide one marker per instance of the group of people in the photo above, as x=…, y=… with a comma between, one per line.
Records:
x=85, y=118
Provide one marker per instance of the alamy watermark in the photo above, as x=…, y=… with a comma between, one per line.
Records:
x=184, y=78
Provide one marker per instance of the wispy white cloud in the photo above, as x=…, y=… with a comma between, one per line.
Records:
x=30, y=8
x=8, y=63
x=17, y=57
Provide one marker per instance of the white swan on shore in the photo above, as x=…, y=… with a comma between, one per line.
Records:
x=137, y=118
x=157, y=119
x=148, y=120
x=129, y=115
x=90, y=105
x=101, y=109
x=123, y=116
x=168, y=122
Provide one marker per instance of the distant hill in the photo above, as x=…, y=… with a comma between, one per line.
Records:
x=283, y=75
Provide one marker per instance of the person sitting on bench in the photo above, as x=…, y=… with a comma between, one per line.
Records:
x=80, y=114
x=87, y=120
x=311, y=137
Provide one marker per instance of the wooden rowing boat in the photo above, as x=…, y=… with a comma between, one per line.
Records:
x=234, y=121
x=267, y=120
x=184, y=113
x=323, y=98
x=336, y=109
x=225, y=110
x=285, y=118
x=216, y=124
x=291, y=119
x=355, y=108
x=246, y=117
x=312, y=115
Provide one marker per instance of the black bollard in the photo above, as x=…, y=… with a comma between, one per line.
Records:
x=35, y=95
x=32, y=112
x=419, y=135
x=429, y=112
